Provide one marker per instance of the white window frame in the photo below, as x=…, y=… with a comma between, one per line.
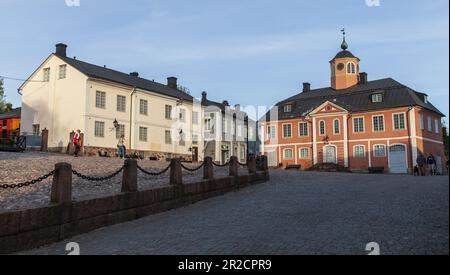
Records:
x=351, y=68
x=374, y=150
x=168, y=110
x=168, y=137
x=339, y=126
x=62, y=71
x=354, y=151
x=287, y=124
x=377, y=98
x=101, y=131
x=120, y=130
x=100, y=102
x=301, y=127
x=436, y=126
x=404, y=121
x=287, y=108
x=324, y=128
x=363, y=125
x=429, y=126
x=143, y=107
x=121, y=106
x=46, y=75
x=300, y=153
x=422, y=121
x=284, y=154
x=142, y=137
x=373, y=124
x=271, y=132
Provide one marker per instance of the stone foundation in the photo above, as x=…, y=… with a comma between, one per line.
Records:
x=112, y=152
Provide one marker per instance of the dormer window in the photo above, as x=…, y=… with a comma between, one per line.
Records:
x=288, y=108
x=377, y=98
x=425, y=99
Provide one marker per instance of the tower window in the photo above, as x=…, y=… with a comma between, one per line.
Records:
x=351, y=68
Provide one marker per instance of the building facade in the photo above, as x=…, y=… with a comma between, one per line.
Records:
x=225, y=131
x=355, y=123
x=65, y=94
x=10, y=124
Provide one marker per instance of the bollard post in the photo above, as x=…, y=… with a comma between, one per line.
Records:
x=44, y=142
x=62, y=184
x=208, y=169
x=265, y=163
x=234, y=166
x=251, y=163
x=176, y=172
x=129, y=178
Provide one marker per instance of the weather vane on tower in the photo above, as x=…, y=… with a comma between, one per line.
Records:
x=344, y=45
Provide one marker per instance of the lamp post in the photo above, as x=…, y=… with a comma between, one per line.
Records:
x=246, y=123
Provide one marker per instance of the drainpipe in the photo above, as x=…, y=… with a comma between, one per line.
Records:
x=408, y=126
x=133, y=92
x=349, y=119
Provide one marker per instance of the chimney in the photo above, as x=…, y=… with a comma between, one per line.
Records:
x=237, y=107
x=362, y=78
x=204, y=97
x=225, y=103
x=172, y=82
x=136, y=74
x=61, y=50
x=306, y=87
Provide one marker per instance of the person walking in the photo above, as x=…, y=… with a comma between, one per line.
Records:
x=77, y=142
x=421, y=161
x=431, y=161
x=121, y=150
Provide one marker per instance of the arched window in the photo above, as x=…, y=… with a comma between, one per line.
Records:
x=322, y=128
x=337, y=127
x=351, y=68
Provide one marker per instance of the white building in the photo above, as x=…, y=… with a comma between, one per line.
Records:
x=65, y=94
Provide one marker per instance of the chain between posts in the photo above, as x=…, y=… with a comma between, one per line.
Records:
x=221, y=165
x=192, y=169
x=153, y=173
x=90, y=178
x=27, y=183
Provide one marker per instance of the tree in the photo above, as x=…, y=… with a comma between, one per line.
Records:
x=5, y=107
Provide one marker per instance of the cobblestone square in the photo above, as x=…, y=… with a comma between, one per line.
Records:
x=294, y=213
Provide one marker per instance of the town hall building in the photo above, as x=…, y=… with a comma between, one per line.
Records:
x=355, y=123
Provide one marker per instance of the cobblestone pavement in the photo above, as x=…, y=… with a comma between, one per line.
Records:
x=21, y=167
x=294, y=213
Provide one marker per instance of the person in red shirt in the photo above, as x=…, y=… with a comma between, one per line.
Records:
x=77, y=142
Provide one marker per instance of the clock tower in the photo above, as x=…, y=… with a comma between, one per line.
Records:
x=344, y=68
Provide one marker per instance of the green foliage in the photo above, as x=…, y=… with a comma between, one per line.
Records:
x=5, y=107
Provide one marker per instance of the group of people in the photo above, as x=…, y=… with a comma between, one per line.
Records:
x=425, y=166
x=76, y=141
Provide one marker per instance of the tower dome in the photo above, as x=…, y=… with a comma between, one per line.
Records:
x=344, y=68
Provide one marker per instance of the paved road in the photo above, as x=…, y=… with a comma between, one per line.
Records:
x=296, y=213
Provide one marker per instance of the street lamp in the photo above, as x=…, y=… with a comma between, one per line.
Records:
x=116, y=123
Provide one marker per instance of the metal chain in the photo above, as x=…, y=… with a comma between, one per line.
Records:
x=89, y=178
x=28, y=183
x=153, y=173
x=192, y=169
x=242, y=164
x=221, y=165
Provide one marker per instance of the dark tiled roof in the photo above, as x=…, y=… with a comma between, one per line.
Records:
x=126, y=79
x=344, y=54
x=209, y=103
x=355, y=99
x=13, y=114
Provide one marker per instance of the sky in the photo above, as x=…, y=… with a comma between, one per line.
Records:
x=249, y=52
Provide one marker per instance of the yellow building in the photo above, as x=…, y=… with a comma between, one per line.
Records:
x=65, y=94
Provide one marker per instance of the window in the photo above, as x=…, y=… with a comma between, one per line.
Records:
x=351, y=68
x=378, y=123
x=436, y=126
x=121, y=103
x=337, y=127
x=429, y=125
x=288, y=108
x=425, y=99
x=47, y=74
x=120, y=131
x=304, y=153
x=377, y=98
x=195, y=118
x=399, y=122
x=143, y=107
x=168, y=137
x=303, y=129
x=62, y=71
x=143, y=134
x=379, y=151
x=287, y=130
x=182, y=115
x=322, y=128
x=194, y=139
x=208, y=124
x=242, y=154
x=272, y=132
x=99, y=130
x=36, y=129
x=182, y=141
x=422, y=122
x=358, y=125
x=359, y=151
x=288, y=155
x=168, y=112
x=100, y=99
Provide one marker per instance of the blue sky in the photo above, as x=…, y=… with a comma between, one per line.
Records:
x=246, y=51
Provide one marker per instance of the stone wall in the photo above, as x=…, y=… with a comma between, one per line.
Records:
x=31, y=228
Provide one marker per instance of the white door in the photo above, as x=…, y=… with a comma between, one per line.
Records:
x=397, y=159
x=330, y=155
x=272, y=159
